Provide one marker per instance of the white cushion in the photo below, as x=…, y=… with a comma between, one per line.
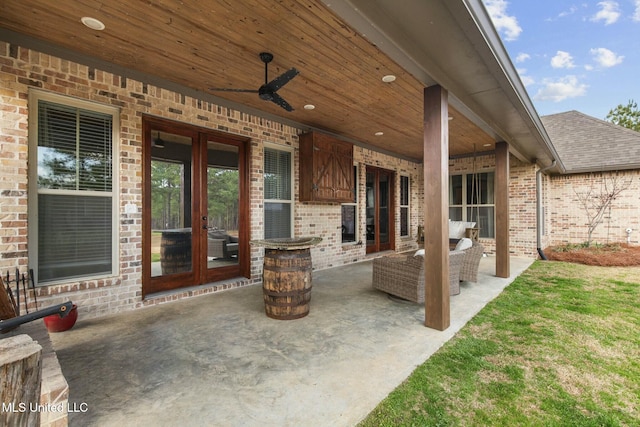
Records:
x=419, y=252
x=464, y=243
x=458, y=228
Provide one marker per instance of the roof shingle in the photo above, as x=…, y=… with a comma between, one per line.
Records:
x=588, y=144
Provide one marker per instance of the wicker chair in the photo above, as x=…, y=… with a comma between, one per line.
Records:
x=471, y=262
x=403, y=275
x=221, y=245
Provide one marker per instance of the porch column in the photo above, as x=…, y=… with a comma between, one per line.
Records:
x=436, y=208
x=502, y=209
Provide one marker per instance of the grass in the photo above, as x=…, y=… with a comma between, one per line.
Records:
x=559, y=347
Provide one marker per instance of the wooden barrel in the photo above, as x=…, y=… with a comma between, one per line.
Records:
x=175, y=251
x=286, y=283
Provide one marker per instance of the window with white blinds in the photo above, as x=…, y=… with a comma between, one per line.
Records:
x=349, y=213
x=405, y=192
x=278, y=193
x=75, y=201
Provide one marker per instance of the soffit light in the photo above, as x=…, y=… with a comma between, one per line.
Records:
x=309, y=107
x=389, y=78
x=379, y=133
x=93, y=23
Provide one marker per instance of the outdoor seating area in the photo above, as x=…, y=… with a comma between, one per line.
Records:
x=403, y=275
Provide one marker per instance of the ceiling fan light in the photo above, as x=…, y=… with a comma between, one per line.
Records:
x=158, y=142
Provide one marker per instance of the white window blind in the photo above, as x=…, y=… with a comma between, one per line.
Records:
x=278, y=194
x=349, y=214
x=75, y=192
x=405, y=192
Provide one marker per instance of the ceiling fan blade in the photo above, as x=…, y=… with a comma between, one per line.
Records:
x=277, y=99
x=282, y=79
x=226, y=89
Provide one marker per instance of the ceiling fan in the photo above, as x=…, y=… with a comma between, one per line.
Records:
x=268, y=90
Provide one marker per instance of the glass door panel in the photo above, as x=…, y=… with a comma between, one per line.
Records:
x=171, y=195
x=371, y=209
x=384, y=208
x=223, y=205
x=380, y=212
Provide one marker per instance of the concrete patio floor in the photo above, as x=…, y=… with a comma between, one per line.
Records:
x=217, y=360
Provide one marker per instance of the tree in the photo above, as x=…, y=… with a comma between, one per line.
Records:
x=626, y=115
x=596, y=204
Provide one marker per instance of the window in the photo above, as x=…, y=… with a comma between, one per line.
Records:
x=73, y=208
x=350, y=214
x=471, y=198
x=278, y=194
x=405, y=191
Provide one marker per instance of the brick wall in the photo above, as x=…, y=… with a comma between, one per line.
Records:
x=568, y=219
x=22, y=70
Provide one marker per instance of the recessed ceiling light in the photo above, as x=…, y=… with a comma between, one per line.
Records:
x=379, y=133
x=92, y=23
x=449, y=118
x=309, y=107
x=389, y=78
x=487, y=145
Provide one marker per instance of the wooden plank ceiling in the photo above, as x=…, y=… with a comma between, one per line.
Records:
x=215, y=43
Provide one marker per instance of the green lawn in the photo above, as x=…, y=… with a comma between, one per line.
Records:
x=559, y=347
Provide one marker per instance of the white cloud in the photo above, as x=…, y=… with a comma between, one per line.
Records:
x=571, y=11
x=524, y=56
x=609, y=12
x=526, y=80
x=561, y=89
x=504, y=23
x=562, y=60
x=636, y=15
x=606, y=58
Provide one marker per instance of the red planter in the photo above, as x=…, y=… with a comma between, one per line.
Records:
x=55, y=323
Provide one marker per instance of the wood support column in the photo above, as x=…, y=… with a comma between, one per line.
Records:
x=436, y=208
x=502, y=209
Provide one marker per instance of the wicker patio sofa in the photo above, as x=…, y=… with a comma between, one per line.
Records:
x=403, y=275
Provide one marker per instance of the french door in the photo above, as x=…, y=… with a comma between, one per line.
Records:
x=195, y=206
x=380, y=212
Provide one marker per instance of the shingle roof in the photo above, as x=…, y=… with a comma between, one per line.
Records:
x=587, y=144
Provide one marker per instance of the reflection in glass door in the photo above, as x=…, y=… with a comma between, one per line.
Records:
x=171, y=230
x=379, y=210
x=223, y=205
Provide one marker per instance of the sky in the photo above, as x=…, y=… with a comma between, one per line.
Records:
x=573, y=55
